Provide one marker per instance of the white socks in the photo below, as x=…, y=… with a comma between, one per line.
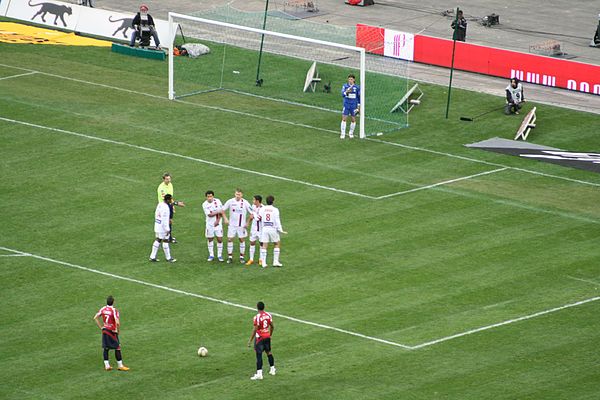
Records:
x=242, y=249
x=276, y=251
x=211, y=249
x=220, y=249
x=252, y=251
x=343, y=129
x=229, y=249
x=155, y=247
x=263, y=256
x=167, y=250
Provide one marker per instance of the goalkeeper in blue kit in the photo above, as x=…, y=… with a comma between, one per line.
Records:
x=351, y=96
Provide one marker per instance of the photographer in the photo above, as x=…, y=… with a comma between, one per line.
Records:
x=514, y=97
x=143, y=22
x=460, y=27
x=596, y=40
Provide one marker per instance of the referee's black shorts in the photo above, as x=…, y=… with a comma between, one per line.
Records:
x=263, y=345
x=110, y=340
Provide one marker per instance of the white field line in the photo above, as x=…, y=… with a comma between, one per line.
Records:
x=510, y=321
x=441, y=153
x=304, y=126
x=440, y=183
x=124, y=178
x=284, y=178
x=200, y=296
x=222, y=109
x=584, y=280
x=231, y=304
x=16, y=76
x=199, y=160
x=242, y=169
x=14, y=255
x=426, y=344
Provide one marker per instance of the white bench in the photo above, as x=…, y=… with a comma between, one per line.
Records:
x=527, y=125
x=312, y=78
x=407, y=103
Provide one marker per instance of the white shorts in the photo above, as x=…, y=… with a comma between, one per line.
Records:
x=212, y=231
x=269, y=235
x=254, y=236
x=161, y=234
x=238, y=231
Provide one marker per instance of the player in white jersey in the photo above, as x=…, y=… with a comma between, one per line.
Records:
x=213, y=209
x=271, y=228
x=162, y=230
x=254, y=222
x=238, y=208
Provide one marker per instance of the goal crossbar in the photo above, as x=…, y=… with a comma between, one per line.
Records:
x=359, y=50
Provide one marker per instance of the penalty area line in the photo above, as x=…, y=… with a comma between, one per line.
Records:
x=257, y=116
x=18, y=75
x=199, y=160
x=203, y=297
x=441, y=153
x=507, y=322
x=440, y=183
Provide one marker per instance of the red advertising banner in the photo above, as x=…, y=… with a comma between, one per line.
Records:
x=371, y=38
x=469, y=57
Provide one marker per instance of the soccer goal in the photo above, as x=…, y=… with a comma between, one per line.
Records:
x=251, y=66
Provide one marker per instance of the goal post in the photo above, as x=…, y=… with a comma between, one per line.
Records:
x=234, y=54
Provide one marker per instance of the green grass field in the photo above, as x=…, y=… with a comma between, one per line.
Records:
x=413, y=283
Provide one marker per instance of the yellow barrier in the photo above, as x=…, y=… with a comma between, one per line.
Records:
x=17, y=33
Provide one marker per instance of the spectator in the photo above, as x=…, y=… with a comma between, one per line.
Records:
x=142, y=24
x=460, y=27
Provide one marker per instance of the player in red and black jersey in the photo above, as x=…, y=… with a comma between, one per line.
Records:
x=263, y=329
x=110, y=325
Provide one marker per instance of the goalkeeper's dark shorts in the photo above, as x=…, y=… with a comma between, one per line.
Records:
x=110, y=340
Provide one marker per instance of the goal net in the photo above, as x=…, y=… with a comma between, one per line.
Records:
x=247, y=68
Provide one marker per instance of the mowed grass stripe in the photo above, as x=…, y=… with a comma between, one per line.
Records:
x=200, y=296
x=167, y=153
x=258, y=116
x=228, y=303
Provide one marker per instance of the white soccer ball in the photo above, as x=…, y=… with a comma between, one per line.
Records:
x=202, y=352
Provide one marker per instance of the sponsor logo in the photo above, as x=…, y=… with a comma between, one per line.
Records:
x=550, y=80
x=124, y=25
x=566, y=156
x=399, y=44
x=533, y=77
x=575, y=159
